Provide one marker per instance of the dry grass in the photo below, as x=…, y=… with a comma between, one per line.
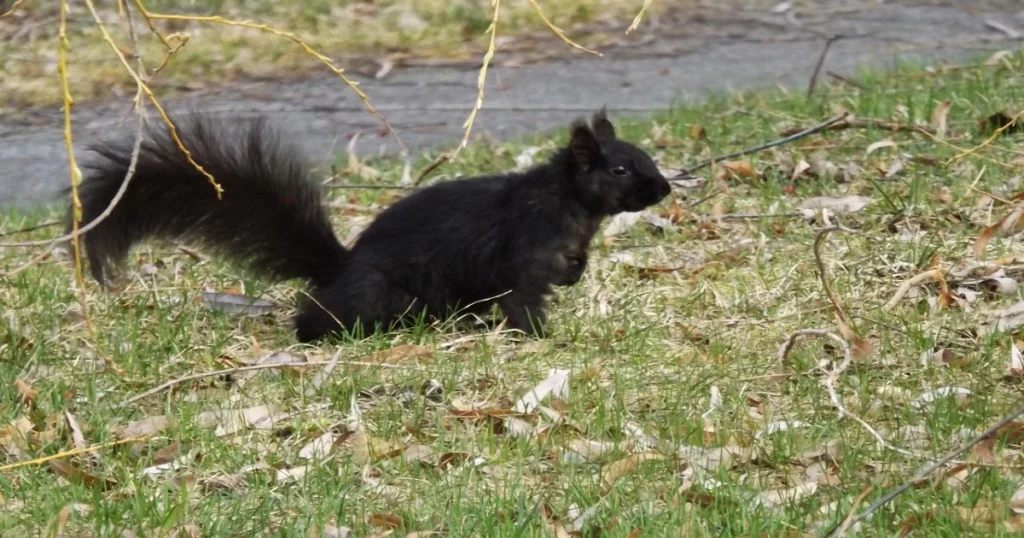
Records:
x=670, y=343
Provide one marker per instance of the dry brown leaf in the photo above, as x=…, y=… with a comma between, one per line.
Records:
x=168, y=453
x=25, y=392
x=76, y=433
x=74, y=475
x=402, y=353
x=1014, y=524
x=1006, y=226
x=319, y=447
x=778, y=497
x=389, y=521
x=939, y=118
x=593, y=450
x=144, y=427
x=697, y=132
x=367, y=449
x=738, y=169
x=613, y=471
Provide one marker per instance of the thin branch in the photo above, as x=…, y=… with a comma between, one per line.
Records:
x=27, y=229
x=639, y=16
x=69, y=453
x=76, y=174
x=174, y=382
x=760, y=147
x=441, y=159
x=45, y=254
x=931, y=274
x=928, y=469
x=869, y=124
x=823, y=275
x=845, y=80
x=558, y=31
x=288, y=35
x=481, y=79
x=817, y=67
x=13, y=7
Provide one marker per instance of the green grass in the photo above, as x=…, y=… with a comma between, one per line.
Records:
x=643, y=349
x=356, y=34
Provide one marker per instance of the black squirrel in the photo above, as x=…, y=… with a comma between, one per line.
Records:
x=458, y=245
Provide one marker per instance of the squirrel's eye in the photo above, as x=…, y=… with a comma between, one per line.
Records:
x=620, y=170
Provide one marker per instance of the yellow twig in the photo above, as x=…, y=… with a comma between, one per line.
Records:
x=13, y=7
x=964, y=151
x=149, y=22
x=76, y=174
x=481, y=80
x=182, y=40
x=152, y=98
x=639, y=16
x=288, y=35
x=987, y=141
x=74, y=452
x=558, y=31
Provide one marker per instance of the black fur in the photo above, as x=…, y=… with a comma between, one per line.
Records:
x=458, y=245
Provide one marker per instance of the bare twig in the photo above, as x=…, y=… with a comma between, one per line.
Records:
x=69, y=453
x=868, y=124
x=845, y=80
x=823, y=275
x=558, y=31
x=848, y=522
x=45, y=254
x=368, y=187
x=832, y=377
x=817, y=67
x=288, y=35
x=760, y=147
x=754, y=216
x=931, y=274
x=639, y=16
x=927, y=470
x=332, y=363
x=13, y=7
x=27, y=229
x=481, y=79
x=441, y=159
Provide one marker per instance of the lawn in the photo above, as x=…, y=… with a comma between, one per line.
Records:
x=678, y=418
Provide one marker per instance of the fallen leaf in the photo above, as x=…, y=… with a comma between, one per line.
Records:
x=1007, y=319
x=939, y=118
x=555, y=385
x=778, y=497
x=592, y=450
x=76, y=432
x=76, y=476
x=738, y=169
x=779, y=426
x=319, y=447
x=879, y=145
x=1016, y=365
x=799, y=169
x=931, y=397
x=291, y=475
x=329, y=530
x=389, y=521
x=367, y=449
x=1008, y=225
x=237, y=304
x=402, y=353
x=144, y=427
x=25, y=391
x=1000, y=285
x=613, y=471
x=998, y=57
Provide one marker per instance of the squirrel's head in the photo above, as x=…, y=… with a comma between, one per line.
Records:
x=613, y=175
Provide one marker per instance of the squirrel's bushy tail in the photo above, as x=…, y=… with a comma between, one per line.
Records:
x=270, y=216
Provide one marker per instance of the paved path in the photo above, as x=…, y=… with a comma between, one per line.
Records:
x=684, y=59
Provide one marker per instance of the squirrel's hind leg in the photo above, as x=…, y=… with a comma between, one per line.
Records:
x=359, y=303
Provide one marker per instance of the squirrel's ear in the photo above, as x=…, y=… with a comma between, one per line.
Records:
x=584, y=146
x=602, y=127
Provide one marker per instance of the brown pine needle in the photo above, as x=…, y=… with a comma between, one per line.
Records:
x=481, y=79
x=558, y=31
